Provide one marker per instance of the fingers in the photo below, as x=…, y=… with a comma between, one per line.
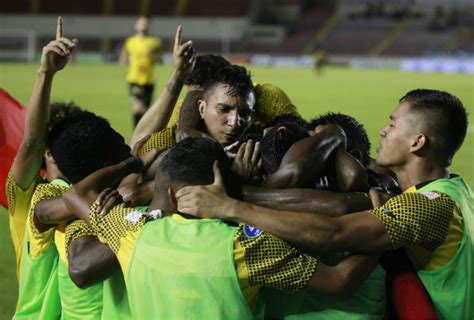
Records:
x=113, y=199
x=248, y=152
x=217, y=174
x=177, y=38
x=59, y=28
x=139, y=144
x=256, y=152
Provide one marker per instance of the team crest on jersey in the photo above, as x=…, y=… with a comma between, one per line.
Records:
x=252, y=232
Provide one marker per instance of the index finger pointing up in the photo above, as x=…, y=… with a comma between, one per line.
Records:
x=59, y=28
x=177, y=38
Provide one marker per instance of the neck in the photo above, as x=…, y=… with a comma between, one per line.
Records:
x=163, y=202
x=418, y=172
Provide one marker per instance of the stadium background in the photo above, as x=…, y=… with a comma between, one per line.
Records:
x=377, y=51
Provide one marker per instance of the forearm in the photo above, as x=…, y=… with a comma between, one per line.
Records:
x=350, y=174
x=189, y=113
x=30, y=154
x=156, y=118
x=307, y=200
x=53, y=211
x=80, y=197
x=307, y=159
x=353, y=271
x=308, y=231
x=90, y=261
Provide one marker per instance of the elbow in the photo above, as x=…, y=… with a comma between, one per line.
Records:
x=42, y=213
x=78, y=274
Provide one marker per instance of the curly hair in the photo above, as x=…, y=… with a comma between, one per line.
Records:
x=61, y=110
x=276, y=142
x=205, y=69
x=83, y=143
x=237, y=78
x=190, y=162
x=289, y=118
x=358, y=144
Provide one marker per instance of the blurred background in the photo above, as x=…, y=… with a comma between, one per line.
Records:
x=346, y=30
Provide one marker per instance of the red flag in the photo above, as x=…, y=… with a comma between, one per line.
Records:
x=12, y=122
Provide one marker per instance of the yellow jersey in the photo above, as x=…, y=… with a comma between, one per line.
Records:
x=141, y=52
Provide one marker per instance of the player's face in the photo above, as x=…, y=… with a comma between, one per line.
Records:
x=142, y=24
x=396, y=138
x=226, y=116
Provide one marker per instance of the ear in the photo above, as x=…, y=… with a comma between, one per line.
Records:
x=419, y=141
x=172, y=196
x=202, y=106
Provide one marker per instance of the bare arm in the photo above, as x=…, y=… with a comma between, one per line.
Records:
x=357, y=232
x=53, y=211
x=28, y=160
x=344, y=279
x=306, y=159
x=156, y=118
x=80, y=197
x=324, y=202
x=350, y=174
x=90, y=261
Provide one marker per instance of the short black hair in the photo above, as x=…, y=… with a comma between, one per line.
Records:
x=289, y=118
x=276, y=142
x=190, y=162
x=60, y=110
x=83, y=143
x=358, y=144
x=205, y=69
x=445, y=118
x=237, y=78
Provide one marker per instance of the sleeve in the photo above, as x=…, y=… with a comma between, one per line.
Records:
x=271, y=262
x=165, y=138
x=16, y=197
x=39, y=241
x=77, y=229
x=417, y=218
x=118, y=227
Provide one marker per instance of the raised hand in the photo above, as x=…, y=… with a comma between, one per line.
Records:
x=56, y=54
x=184, y=55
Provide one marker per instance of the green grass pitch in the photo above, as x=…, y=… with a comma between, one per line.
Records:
x=368, y=95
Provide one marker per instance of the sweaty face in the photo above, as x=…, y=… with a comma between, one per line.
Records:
x=226, y=116
x=396, y=138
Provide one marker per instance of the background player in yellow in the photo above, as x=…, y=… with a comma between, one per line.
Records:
x=142, y=51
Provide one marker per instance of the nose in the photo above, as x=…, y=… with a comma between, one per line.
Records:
x=233, y=119
x=382, y=132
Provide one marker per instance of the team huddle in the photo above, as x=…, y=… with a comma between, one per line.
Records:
x=227, y=204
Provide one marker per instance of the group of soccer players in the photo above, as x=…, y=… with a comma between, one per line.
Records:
x=229, y=205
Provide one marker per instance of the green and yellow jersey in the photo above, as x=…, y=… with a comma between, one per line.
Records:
x=141, y=52
x=261, y=260
x=19, y=203
x=427, y=224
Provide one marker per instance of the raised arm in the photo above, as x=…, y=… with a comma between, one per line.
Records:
x=157, y=116
x=306, y=159
x=28, y=160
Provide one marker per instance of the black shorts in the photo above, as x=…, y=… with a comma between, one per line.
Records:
x=142, y=93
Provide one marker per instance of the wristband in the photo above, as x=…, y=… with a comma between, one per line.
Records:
x=133, y=165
